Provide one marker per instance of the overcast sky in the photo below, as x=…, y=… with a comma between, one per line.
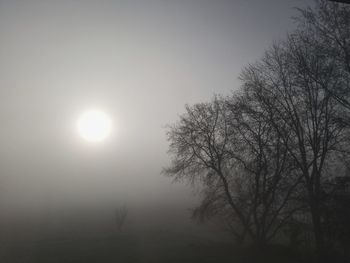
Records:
x=141, y=62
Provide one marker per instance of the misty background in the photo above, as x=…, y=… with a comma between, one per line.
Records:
x=141, y=62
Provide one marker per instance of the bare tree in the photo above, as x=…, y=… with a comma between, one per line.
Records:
x=228, y=147
x=264, y=153
x=291, y=82
x=199, y=144
x=269, y=172
x=329, y=24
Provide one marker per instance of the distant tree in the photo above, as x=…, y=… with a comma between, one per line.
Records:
x=120, y=216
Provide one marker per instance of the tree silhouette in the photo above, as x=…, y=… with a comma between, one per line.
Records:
x=120, y=216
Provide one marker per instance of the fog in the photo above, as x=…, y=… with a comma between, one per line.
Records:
x=140, y=62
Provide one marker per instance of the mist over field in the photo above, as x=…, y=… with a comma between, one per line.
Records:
x=141, y=63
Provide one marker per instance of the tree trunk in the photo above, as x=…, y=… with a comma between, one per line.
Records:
x=318, y=231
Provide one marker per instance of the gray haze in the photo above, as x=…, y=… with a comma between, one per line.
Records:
x=141, y=62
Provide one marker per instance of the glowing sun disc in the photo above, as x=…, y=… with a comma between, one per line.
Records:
x=94, y=126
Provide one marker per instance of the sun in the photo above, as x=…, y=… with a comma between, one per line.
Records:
x=94, y=126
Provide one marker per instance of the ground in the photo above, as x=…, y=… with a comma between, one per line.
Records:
x=144, y=247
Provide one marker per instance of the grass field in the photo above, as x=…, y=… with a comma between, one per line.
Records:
x=140, y=247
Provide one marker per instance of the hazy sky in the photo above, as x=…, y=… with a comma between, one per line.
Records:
x=141, y=62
